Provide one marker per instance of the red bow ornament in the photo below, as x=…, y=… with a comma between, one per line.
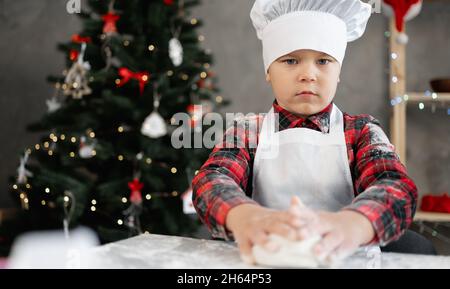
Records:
x=126, y=74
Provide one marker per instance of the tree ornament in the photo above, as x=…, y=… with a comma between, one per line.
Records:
x=22, y=173
x=133, y=212
x=76, y=79
x=154, y=125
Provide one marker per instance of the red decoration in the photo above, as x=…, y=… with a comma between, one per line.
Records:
x=168, y=2
x=73, y=55
x=80, y=39
x=432, y=203
x=136, y=194
x=126, y=74
x=76, y=38
x=110, y=22
x=401, y=8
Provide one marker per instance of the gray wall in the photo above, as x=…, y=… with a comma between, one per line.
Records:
x=29, y=32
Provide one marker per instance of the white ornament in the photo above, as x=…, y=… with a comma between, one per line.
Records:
x=154, y=126
x=22, y=172
x=175, y=51
x=86, y=150
x=53, y=104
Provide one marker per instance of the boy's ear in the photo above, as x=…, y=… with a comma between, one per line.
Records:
x=267, y=77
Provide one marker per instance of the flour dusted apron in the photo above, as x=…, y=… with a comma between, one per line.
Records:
x=307, y=163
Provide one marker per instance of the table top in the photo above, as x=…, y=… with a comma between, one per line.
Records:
x=161, y=251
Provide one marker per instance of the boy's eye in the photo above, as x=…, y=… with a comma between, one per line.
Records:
x=323, y=61
x=289, y=61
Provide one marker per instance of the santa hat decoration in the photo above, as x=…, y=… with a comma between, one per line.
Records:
x=403, y=10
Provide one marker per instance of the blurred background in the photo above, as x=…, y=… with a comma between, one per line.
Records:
x=31, y=30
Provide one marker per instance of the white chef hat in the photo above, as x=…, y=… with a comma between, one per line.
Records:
x=322, y=25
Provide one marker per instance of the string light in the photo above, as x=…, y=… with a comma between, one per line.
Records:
x=201, y=38
x=37, y=146
x=421, y=106
x=93, y=202
x=394, y=55
x=50, y=153
x=174, y=193
x=93, y=208
x=120, y=157
x=119, y=221
x=219, y=99
x=72, y=154
x=394, y=79
x=148, y=196
x=117, y=81
x=66, y=199
x=148, y=160
x=46, y=144
x=206, y=65
x=434, y=95
x=22, y=195
x=184, y=76
x=126, y=43
x=120, y=129
x=405, y=97
x=43, y=202
x=47, y=190
x=193, y=21
x=28, y=186
x=173, y=170
x=151, y=47
x=92, y=134
x=15, y=187
x=62, y=137
x=196, y=172
x=124, y=200
x=169, y=73
x=73, y=139
x=94, y=153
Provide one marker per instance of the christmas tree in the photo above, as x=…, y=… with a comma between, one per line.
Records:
x=106, y=159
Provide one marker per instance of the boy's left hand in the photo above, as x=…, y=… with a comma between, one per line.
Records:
x=342, y=232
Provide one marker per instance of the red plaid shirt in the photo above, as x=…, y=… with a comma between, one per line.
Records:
x=384, y=193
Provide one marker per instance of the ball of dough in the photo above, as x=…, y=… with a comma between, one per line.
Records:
x=289, y=254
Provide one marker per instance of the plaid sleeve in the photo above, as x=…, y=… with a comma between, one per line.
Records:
x=386, y=195
x=220, y=183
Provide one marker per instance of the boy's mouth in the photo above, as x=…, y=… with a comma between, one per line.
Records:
x=306, y=93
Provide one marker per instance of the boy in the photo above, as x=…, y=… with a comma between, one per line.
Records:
x=332, y=174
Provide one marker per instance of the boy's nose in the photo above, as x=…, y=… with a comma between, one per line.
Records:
x=306, y=77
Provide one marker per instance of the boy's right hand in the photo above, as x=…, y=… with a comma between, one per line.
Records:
x=252, y=224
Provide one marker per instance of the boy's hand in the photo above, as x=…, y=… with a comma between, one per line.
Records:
x=342, y=232
x=252, y=224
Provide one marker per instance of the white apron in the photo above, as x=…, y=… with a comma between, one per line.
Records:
x=299, y=161
x=310, y=164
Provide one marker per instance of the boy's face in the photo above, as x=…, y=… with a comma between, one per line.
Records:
x=304, y=70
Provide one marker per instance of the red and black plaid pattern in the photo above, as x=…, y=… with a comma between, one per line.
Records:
x=384, y=193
